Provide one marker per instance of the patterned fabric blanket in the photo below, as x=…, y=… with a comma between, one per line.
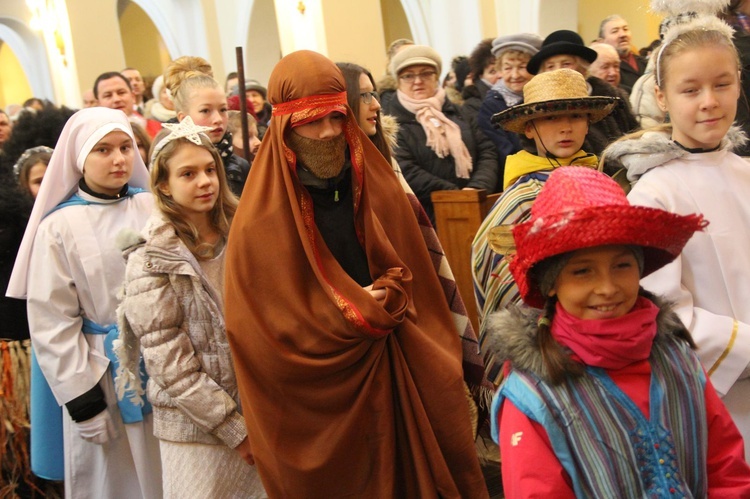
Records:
x=494, y=287
x=481, y=389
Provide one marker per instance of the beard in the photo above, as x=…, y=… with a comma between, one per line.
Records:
x=324, y=158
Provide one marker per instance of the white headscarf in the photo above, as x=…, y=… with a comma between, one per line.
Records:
x=81, y=133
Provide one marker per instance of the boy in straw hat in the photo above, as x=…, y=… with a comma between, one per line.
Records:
x=556, y=114
x=603, y=394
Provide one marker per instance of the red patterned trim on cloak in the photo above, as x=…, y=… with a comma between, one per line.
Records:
x=310, y=108
x=357, y=157
x=350, y=312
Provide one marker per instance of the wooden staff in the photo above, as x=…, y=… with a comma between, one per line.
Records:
x=243, y=101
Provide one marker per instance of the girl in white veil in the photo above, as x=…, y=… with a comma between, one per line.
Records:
x=69, y=270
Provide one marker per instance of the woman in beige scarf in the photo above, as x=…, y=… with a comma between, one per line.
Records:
x=437, y=149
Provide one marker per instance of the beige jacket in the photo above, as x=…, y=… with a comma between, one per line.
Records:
x=172, y=310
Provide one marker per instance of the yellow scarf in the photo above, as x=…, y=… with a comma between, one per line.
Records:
x=523, y=163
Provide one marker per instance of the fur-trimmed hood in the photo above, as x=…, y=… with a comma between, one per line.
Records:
x=512, y=334
x=654, y=148
x=390, y=129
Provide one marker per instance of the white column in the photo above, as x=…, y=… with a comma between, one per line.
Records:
x=449, y=27
x=557, y=14
x=180, y=24
x=50, y=18
x=252, y=25
x=536, y=16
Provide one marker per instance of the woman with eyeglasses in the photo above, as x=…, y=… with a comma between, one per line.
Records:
x=364, y=99
x=437, y=150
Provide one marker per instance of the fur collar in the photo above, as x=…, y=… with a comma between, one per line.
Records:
x=512, y=334
x=390, y=129
x=655, y=147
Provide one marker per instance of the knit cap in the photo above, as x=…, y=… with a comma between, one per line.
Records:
x=414, y=55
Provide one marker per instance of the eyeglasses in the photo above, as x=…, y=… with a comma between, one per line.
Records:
x=412, y=77
x=368, y=96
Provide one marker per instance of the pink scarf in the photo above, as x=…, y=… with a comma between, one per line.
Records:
x=610, y=343
x=443, y=135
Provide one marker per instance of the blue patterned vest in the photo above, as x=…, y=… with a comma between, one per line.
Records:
x=603, y=440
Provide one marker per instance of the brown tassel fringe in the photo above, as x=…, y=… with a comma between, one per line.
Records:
x=15, y=374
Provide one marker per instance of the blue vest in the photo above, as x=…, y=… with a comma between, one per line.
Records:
x=603, y=440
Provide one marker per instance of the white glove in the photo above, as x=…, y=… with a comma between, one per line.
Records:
x=99, y=430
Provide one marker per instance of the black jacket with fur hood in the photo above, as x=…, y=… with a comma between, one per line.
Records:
x=513, y=334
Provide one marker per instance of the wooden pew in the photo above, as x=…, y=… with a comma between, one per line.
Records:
x=458, y=215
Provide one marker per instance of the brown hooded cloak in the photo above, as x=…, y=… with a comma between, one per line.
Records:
x=343, y=395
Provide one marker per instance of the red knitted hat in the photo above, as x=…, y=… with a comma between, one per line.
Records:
x=583, y=208
x=233, y=104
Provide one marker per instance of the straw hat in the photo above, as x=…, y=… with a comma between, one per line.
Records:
x=563, y=91
x=583, y=208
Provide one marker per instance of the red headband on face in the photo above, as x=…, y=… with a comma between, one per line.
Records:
x=314, y=107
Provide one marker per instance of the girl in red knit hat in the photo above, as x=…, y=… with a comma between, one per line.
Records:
x=603, y=395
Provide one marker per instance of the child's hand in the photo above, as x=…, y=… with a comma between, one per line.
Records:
x=378, y=294
x=246, y=452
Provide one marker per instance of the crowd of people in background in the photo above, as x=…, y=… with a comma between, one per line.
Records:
x=277, y=318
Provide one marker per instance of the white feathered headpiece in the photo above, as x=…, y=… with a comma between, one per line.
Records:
x=682, y=16
x=701, y=7
x=687, y=15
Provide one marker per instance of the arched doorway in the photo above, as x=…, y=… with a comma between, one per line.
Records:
x=14, y=86
x=142, y=42
x=395, y=23
x=262, y=49
x=24, y=61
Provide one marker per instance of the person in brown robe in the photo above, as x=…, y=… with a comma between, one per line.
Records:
x=347, y=358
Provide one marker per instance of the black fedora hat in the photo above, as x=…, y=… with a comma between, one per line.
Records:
x=557, y=43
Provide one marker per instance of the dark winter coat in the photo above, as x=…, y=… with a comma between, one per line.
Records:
x=14, y=211
x=506, y=143
x=426, y=172
x=386, y=87
x=237, y=170
x=628, y=75
x=473, y=96
x=264, y=116
x=619, y=122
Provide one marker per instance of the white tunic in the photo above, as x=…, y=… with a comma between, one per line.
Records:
x=76, y=271
x=710, y=282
